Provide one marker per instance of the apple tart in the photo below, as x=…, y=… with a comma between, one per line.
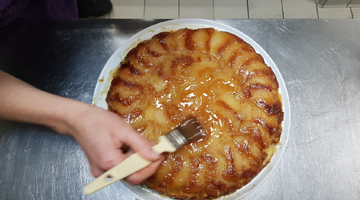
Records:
x=225, y=84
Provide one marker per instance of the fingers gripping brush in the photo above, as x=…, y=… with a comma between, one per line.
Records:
x=189, y=131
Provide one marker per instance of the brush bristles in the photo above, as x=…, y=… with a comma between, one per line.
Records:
x=189, y=131
x=176, y=138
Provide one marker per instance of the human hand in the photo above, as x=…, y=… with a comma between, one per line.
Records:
x=101, y=134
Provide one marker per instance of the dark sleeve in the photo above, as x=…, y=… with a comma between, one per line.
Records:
x=38, y=9
x=11, y=9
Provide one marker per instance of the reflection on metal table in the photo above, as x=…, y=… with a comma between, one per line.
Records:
x=319, y=63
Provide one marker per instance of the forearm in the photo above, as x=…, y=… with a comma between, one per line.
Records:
x=20, y=101
x=100, y=133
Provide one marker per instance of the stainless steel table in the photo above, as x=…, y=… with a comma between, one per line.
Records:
x=319, y=60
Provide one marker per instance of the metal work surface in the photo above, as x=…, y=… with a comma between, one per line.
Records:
x=319, y=61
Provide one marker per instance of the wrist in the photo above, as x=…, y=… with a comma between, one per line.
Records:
x=66, y=117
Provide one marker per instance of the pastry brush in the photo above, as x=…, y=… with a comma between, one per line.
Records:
x=188, y=131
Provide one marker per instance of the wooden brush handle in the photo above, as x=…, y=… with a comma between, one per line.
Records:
x=127, y=167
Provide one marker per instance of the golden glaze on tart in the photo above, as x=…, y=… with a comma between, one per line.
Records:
x=225, y=84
